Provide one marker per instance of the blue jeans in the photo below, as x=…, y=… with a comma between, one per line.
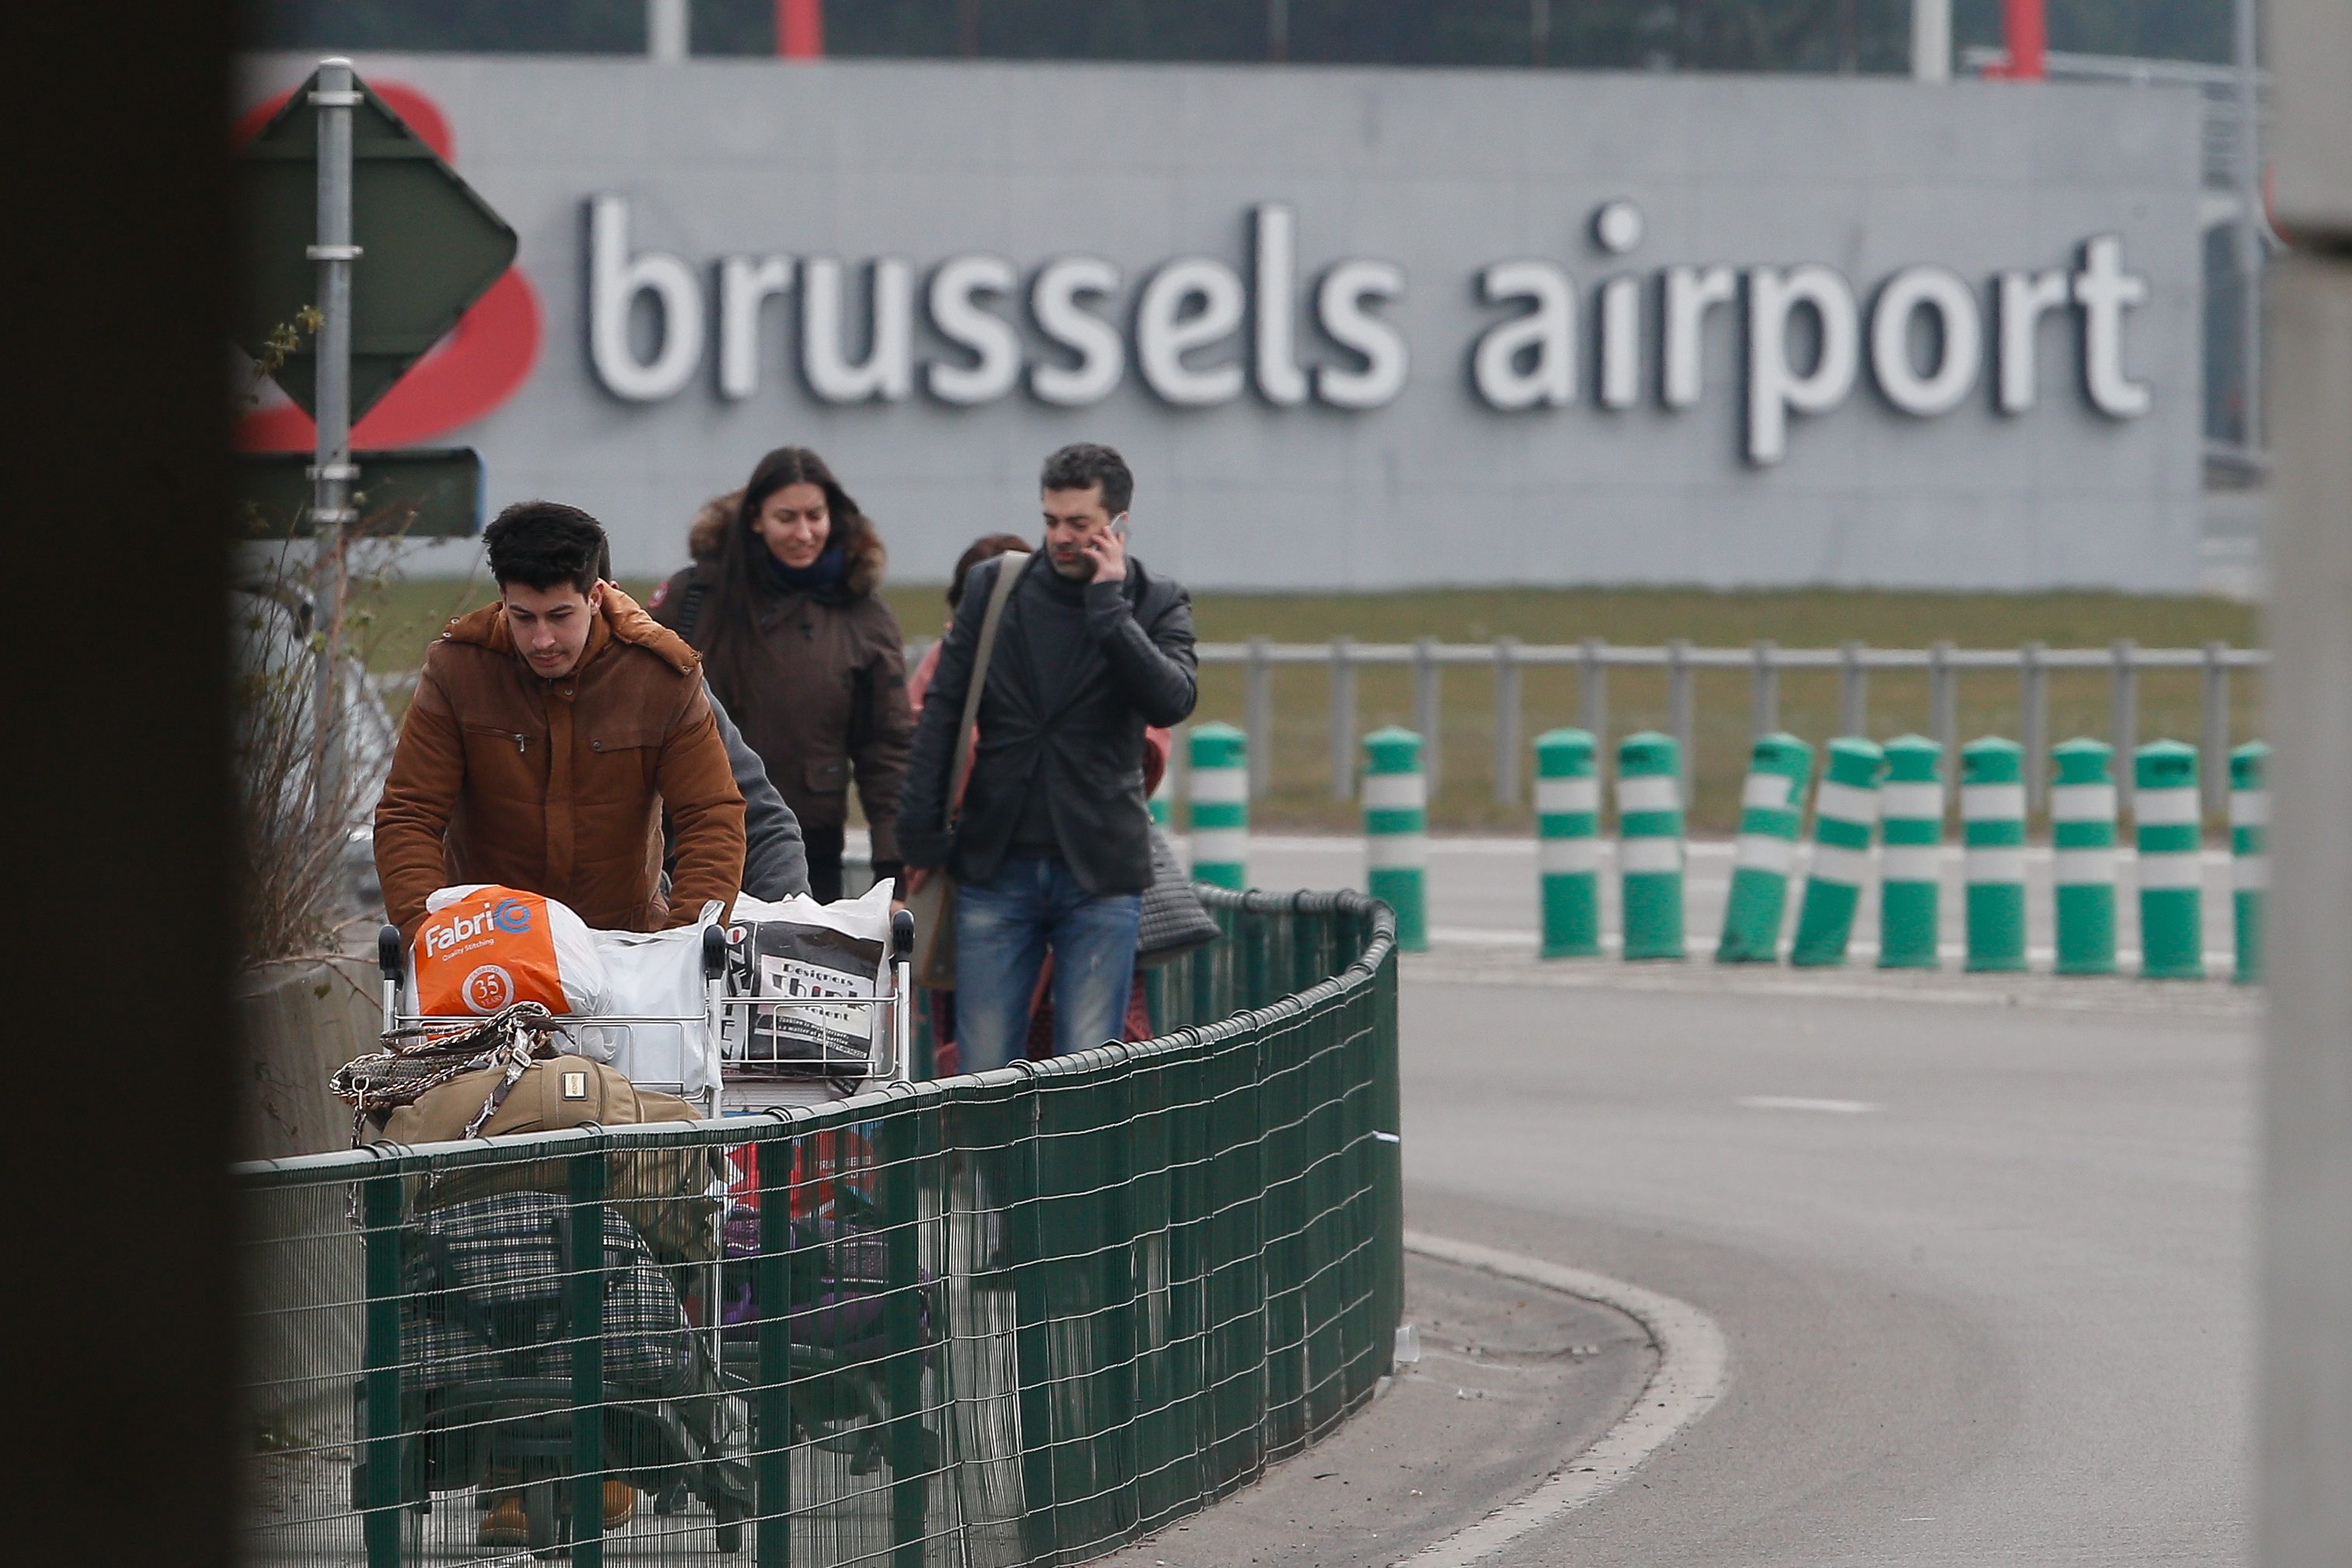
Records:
x=1003, y=926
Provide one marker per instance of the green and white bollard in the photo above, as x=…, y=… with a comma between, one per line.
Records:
x=1911, y=865
x=1568, y=843
x=2167, y=822
x=1845, y=814
x=2250, y=855
x=1992, y=828
x=1771, y=809
x=1650, y=844
x=1220, y=806
x=1396, y=831
x=2083, y=855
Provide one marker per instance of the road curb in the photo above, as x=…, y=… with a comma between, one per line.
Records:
x=1693, y=1368
x=1452, y=964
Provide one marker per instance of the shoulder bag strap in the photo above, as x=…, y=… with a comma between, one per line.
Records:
x=690, y=610
x=1005, y=576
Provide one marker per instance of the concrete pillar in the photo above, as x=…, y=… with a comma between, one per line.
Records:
x=1931, y=40
x=2303, y=1511
x=2305, y=1450
x=668, y=31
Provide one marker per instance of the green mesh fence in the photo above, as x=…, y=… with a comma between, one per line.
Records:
x=1016, y=1317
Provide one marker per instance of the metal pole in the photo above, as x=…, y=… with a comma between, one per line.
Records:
x=1593, y=699
x=1763, y=691
x=1943, y=700
x=2033, y=722
x=2214, y=765
x=1277, y=30
x=2123, y=696
x=1178, y=777
x=1931, y=40
x=1257, y=716
x=1853, y=691
x=1682, y=711
x=668, y=31
x=1507, y=721
x=2249, y=229
x=1343, y=719
x=1540, y=32
x=1424, y=707
x=332, y=472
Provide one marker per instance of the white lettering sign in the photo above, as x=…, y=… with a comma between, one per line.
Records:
x=1530, y=360
x=1188, y=306
x=1775, y=388
x=1343, y=303
x=956, y=291
x=1958, y=335
x=615, y=279
x=887, y=373
x=1101, y=352
x=1205, y=329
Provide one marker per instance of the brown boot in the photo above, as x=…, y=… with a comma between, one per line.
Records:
x=506, y=1524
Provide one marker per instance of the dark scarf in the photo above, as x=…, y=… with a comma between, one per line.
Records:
x=825, y=575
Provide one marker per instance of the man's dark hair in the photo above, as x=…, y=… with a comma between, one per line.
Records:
x=544, y=545
x=1083, y=464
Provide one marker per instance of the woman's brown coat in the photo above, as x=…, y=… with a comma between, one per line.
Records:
x=823, y=695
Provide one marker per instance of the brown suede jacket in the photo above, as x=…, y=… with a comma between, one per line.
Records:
x=557, y=787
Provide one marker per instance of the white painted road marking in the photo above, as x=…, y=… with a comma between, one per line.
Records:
x=1798, y=1103
x=1693, y=1367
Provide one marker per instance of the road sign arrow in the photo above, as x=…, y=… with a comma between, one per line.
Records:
x=428, y=245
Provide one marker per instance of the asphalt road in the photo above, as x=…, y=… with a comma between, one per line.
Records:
x=1981, y=1245
x=1982, y=1268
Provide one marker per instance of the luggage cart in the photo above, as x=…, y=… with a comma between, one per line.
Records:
x=841, y=1402
x=652, y=1050
x=654, y=1047
x=756, y=1085
x=753, y=1082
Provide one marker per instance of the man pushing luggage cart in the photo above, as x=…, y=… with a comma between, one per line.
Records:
x=548, y=734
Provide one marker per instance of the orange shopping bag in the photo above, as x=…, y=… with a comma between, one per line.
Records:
x=483, y=949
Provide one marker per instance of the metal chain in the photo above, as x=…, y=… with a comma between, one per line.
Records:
x=419, y=1059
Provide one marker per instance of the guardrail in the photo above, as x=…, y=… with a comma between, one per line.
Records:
x=1020, y=1316
x=1764, y=663
x=2122, y=663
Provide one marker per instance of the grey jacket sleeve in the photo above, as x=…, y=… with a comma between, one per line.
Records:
x=775, y=860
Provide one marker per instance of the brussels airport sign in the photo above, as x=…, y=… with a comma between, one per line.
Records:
x=1202, y=335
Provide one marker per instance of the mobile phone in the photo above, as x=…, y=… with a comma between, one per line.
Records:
x=1118, y=524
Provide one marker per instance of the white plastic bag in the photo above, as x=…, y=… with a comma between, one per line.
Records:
x=482, y=947
x=655, y=973
x=810, y=953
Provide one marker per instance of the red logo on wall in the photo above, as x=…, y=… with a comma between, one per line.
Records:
x=480, y=364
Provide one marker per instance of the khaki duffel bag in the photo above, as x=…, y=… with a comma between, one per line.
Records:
x=668, y=1194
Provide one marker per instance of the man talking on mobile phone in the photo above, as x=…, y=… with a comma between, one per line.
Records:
x=1051, y=844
